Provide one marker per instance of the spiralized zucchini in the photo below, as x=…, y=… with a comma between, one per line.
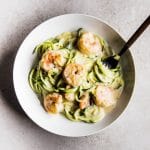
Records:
x=74, y=74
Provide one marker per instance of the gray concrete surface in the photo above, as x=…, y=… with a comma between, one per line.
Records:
x=17, y=19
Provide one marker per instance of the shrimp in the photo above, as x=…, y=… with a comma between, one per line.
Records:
x=104, y=96
x=84, y=101
x=89, y=44
x=74, y=74
x=52, y=59
x=69, y=96
x=53, y=103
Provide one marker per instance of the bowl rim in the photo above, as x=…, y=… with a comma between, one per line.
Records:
x=134, y=75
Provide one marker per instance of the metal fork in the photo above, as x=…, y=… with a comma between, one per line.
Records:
x=112, y=61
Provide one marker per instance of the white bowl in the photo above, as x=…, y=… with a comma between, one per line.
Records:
x=24, y=59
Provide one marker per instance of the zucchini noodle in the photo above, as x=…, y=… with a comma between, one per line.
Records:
x=69, y=71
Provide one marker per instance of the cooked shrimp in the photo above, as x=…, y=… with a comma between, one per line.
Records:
x=74, y=74
x=104, y=96
x=69, y=96
x=84, y=101
x=89, y=44
x=52, y=59
x=53, y=103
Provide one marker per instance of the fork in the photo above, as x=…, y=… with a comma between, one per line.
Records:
x=112, y=61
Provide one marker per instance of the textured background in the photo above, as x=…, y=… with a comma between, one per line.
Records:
x=17, y=19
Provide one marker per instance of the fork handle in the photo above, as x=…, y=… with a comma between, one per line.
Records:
x=134, y=37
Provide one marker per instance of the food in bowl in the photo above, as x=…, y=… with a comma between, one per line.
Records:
x=70, y=78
